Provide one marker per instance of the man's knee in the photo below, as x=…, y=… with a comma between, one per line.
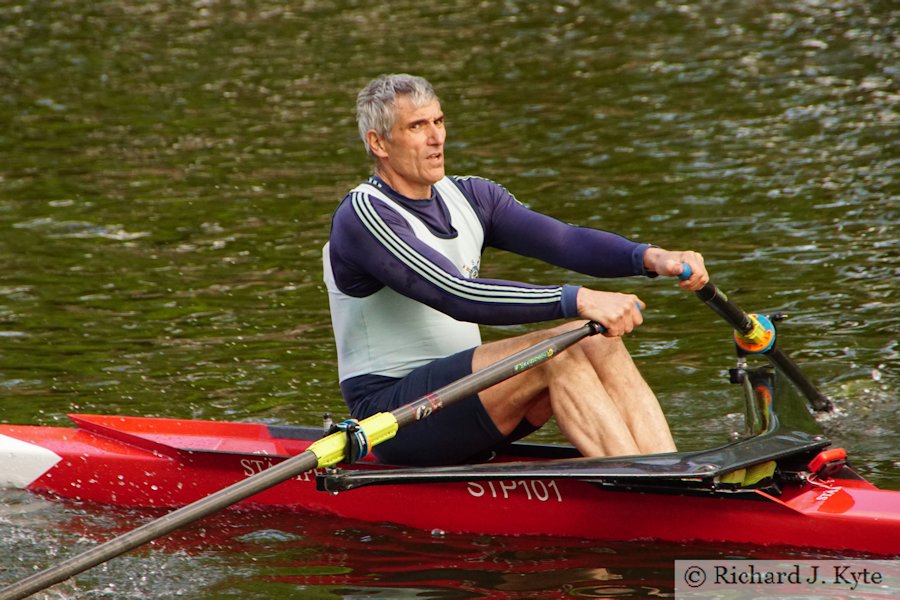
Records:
x=572, y=359
x=601, y=356
x=603, y=347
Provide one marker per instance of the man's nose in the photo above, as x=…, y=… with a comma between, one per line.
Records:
x=436, y=134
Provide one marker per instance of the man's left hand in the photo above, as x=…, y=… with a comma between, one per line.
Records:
x=671, y=263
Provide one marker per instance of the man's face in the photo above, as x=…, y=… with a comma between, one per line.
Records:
x=413, y=159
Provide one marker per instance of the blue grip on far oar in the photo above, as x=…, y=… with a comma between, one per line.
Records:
x=686, y=273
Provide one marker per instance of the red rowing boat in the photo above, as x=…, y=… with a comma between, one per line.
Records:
x=781, y=487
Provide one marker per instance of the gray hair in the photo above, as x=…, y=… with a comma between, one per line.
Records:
x=375, y=103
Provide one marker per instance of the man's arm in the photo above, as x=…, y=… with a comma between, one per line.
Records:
x=511, y=226
x=372, y=246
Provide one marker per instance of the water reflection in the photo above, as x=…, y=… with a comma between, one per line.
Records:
x=301, y=553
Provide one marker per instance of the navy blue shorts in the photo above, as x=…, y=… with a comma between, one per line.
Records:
x=455, y=434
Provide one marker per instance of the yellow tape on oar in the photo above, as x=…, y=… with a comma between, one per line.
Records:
x=380, y=428
x=332, y=449
x=759, y=339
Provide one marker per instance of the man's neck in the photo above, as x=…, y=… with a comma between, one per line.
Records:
x=406, y=190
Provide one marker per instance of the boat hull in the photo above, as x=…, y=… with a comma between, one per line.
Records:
x=144, y=462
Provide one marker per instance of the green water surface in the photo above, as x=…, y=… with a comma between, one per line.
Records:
x=168, y=172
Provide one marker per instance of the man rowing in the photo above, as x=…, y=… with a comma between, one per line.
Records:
x=401, y=268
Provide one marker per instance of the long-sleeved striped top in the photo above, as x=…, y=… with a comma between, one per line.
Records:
x=374, y=247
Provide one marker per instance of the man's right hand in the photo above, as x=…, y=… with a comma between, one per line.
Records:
x=619, y=313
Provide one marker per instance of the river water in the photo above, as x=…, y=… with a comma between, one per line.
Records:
x=167, y=175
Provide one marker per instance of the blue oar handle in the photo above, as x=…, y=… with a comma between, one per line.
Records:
x=686, y=274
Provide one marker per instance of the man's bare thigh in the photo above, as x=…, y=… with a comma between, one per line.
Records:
x=512, y=400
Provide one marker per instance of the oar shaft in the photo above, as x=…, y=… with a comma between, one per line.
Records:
x=497, y=372
x=719, y=302
x=325, y=452
x=745, y=325
x=814, y=396
x=186, y=515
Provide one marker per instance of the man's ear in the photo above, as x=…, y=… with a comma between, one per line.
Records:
x=376, y=144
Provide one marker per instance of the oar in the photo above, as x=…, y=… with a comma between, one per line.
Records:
x=755, y=334
x=326, y=452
